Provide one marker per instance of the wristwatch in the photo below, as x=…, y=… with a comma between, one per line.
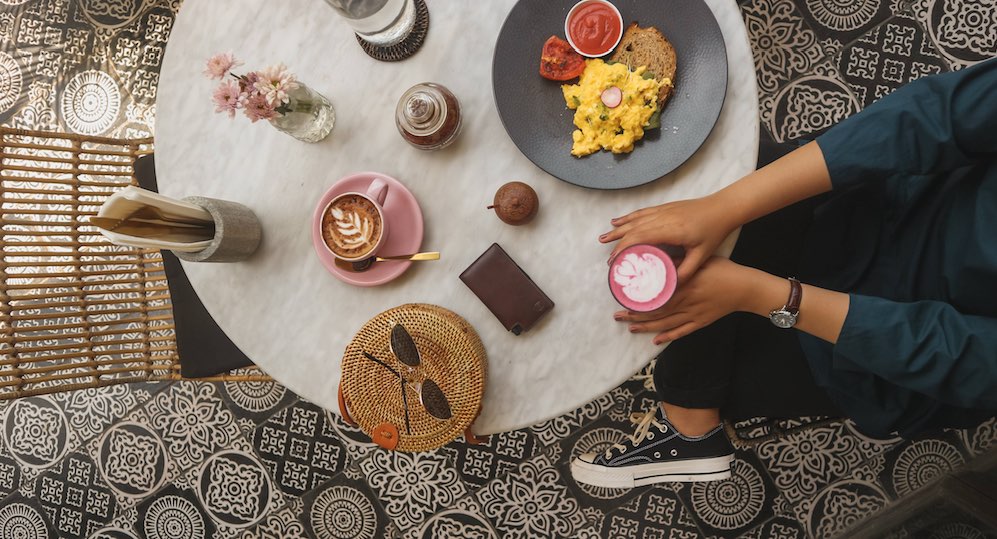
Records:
x=786, y=316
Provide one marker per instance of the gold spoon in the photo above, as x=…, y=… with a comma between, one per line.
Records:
x=365, y=264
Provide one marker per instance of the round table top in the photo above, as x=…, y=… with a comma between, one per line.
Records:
x=293, y=318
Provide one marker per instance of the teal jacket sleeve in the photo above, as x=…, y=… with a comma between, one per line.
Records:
x=931, y=125
x=925, y=346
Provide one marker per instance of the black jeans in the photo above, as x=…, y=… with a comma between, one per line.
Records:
x=742, y=363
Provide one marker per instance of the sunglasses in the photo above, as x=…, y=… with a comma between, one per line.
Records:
x=431, y=397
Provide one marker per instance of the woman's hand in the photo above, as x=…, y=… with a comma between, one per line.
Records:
x=698, y=225
x=719, y=288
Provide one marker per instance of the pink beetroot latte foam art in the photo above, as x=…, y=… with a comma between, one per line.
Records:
x=642, y=278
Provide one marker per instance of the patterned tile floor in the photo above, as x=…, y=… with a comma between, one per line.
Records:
x=196, y=460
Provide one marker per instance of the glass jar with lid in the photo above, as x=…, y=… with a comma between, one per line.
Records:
x=428, y=116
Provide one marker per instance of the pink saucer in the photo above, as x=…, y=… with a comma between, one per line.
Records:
x=404, y=229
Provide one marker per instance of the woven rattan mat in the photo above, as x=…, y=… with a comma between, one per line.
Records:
x=452, y=356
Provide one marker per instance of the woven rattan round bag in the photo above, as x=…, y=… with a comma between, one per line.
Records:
x=413, y=378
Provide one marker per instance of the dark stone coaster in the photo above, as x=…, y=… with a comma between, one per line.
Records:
x=407, y=47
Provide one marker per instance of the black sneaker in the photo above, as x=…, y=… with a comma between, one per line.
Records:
x=657, y=453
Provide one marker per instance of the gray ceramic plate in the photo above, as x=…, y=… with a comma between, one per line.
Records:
x=533, y=112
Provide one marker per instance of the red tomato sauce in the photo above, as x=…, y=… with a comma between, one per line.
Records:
x=594, y=28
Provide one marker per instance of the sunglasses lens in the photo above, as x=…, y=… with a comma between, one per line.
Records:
x=434, y=400
x=403, y=346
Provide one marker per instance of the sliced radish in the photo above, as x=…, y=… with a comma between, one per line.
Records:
x=612, y=97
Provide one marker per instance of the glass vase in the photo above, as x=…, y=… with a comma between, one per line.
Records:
x=309, y=116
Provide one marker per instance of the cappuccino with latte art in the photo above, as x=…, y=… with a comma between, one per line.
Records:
x=352, y=226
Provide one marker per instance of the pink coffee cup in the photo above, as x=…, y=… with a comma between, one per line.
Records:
x=376, y=192
x=642, y=278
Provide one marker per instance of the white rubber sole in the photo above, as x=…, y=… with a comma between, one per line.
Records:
x=690, y=471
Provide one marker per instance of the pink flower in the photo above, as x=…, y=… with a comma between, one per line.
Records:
x=257, y=108
x=228, y=97
x=219, y=65
x=274, y=83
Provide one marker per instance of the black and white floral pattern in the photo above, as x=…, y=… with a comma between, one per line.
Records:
x=344, y=507
x=531, y=502
x=90, y=411
x=36, y=432
x=341, y=511
x=132, y=459
x=283, y=524
x=113, y=532
x=193, y=421
x=174, y=514
x=412, y=486
x=251, y=460
x=782, y=45
x=804, y=463
x=256, y=396
x=922, y=462
x=90, y=103
x=962, y=30
x=500, y=454
x=23, y=520
x=300, y=447
x=75, y=497
x=235, y=488
x=738, y=503
x=457, y=523
x=843, y=504
x=563, y=426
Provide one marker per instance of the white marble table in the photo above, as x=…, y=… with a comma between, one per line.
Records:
x=294, y=319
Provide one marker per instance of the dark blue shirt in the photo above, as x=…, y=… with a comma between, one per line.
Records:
x=910, y=232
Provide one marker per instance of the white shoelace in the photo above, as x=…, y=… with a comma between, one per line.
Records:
x=646, y=375
x=643, y=430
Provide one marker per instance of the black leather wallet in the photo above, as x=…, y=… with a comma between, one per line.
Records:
x=506, y=290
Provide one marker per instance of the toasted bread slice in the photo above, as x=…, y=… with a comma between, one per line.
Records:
x=648, y=47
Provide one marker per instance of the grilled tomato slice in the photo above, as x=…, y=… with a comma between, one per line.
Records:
x=559, y=61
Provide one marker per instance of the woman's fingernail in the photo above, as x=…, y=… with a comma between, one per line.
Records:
x=617, y=317
x=614, y=220
x=633, y=329
x=602, y=237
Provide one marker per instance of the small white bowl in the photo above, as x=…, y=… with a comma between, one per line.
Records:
x=571, y=12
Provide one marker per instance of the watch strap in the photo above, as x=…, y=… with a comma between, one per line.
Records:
x=795, y=296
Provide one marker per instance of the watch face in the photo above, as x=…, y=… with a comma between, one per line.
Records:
x=783, y=319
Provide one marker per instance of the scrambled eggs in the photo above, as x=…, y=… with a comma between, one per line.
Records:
x=600, y=127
